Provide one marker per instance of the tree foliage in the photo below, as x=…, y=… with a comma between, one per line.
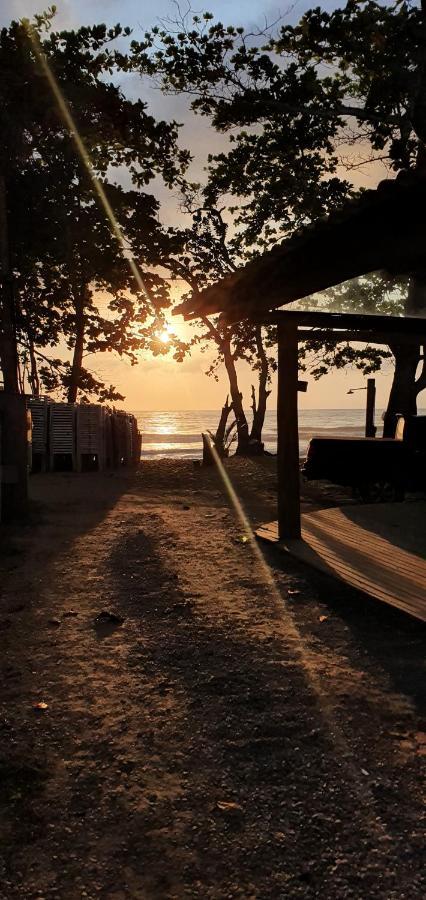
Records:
x=302, y=106
x=61, y=250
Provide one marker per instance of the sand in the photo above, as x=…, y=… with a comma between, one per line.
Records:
x=232, y=728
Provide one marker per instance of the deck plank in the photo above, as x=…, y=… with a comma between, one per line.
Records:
x=378, y=549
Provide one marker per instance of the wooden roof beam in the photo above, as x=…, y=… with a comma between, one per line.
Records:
x=361, y=337
x=369, y=324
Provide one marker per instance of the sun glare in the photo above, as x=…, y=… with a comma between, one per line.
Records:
x=164, y=337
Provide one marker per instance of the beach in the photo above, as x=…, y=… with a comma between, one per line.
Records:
x=182, y=718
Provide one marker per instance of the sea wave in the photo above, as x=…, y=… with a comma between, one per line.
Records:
x=172, y=438
x=193, y=452
x=338, y=429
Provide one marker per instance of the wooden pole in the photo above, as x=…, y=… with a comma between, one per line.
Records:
x=15, y=427
x=288, y=433
x=370, y=428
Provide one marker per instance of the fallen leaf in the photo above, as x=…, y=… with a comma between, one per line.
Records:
x=226, y=805
x=364, y=772
x=292, y=593
x=40, y=705
x=323, y=618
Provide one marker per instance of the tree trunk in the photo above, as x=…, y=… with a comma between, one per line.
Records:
x=243, y=448
x=421, y=380
x=33, y=373
x=404, y=390
x=77, y=360
x=8, y=342
x=403, y=393
x=219, y=438
x=259, y=408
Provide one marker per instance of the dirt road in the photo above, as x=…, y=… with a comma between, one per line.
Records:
x=236, y=732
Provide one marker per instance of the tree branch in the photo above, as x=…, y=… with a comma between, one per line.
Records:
x=420, y=383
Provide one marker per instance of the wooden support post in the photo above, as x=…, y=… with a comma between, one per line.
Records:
x=370, y=428
x=288, y=433
x=14, y=455
x=208, y=459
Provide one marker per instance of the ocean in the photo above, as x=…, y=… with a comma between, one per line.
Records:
x=178, y=434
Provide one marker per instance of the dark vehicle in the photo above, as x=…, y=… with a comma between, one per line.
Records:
x=377, y=469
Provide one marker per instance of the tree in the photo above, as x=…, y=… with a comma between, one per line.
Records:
x=297, y=98
x=380, y=55
x=374, y=294
x=38, y=149
x=280, y=165
x=76, y=261
x=199, y=255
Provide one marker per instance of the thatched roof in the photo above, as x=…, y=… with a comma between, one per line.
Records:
x=383, y=229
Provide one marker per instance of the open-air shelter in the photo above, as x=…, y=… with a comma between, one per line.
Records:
x=384, y=230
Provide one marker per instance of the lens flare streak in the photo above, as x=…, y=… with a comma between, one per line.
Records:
x=84, y=154
x=293, y=635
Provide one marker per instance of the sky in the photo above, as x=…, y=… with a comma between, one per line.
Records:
x=162, y=383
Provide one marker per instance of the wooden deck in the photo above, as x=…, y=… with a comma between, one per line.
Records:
x=379, y=549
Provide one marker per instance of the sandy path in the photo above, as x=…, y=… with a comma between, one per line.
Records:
x=222, y=742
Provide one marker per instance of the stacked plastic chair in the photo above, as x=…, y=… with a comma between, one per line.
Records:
x=62, y=436
x=90, y=437
x=39, y=409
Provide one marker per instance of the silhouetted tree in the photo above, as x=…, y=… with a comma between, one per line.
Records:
x=344, y=88
x=198, y=256
x=66, y=250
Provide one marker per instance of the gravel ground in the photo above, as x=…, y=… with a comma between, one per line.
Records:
x=235, y=726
